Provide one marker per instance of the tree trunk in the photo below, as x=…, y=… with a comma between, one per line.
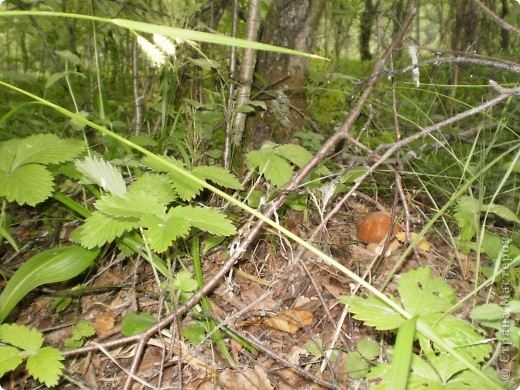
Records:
x=282, y=78
x=365, y=30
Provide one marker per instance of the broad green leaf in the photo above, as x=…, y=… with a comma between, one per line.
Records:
x=46, y=365
x=356, y=366
x=194, y=332
x=183, y=281
x=50, y=266
x=163, y=229
x=68, y=56
x=208, y=220
x=468, y=217
x=402, y=355
x=353, y=174
x=155, y=184
x=98, y=171
x=83, y=329
x=422, y=295
x=40, y=149
x=373, y=312
x=10, y=358
x=502, y=211
x=277, y=170
x=185, y=187
x=131, y=205
x=315, y=347
x=21, y=336
x=369, y=349
x=100, y=229
x=294, y=153
x=257, y=159
x=134, y=323
x=487, y=312
x=459, y=335
x=28, y=184
x=218, y=176
x=161, y=166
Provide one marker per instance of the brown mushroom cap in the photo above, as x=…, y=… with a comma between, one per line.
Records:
x=374, y=227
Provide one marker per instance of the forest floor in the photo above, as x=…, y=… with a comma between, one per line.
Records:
x=259, y=301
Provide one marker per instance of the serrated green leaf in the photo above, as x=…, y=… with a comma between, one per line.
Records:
x=208, y=220
x=467, y=216
x=40, y=149
x=83, y=329
x=155, y=184
x=134, y=323
x=294, y=153
x=98, y=171
x=218, y=176
x=278, y=171
x=50, y=266
x=257, y=159
x=163, y=165
x=100, y=229
x=10, y=359
x=183, y=281
x=163, y=229
x=459, y=335
x=46, y=365
x=131, y=205
x=421, y=294
x=28, y=184
x=373, y=312
x=355, y=365
x=369, y=349
x=185, y=187
x=21, y=336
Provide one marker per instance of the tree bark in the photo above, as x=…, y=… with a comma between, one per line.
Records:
x=282, y=78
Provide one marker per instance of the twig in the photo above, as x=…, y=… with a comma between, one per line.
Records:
x=501, y=22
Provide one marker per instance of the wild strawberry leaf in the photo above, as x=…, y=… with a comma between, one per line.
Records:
x=131, y=205
x=10, y=358
x=294, y=153
x=27, y=184
x=218, y=176
x=21, y=336
x=208, y=220
x=157, y=185
x=163, y=229
x=99, y=229
x=46, y=365
x=98, y=171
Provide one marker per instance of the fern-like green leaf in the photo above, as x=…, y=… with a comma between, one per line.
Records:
x=98, y=171
x=99, y=229
x=422, y=295
x=46, y=365
x=162, y=230
x=208, y=220
x=218, y=176
x=27, y=184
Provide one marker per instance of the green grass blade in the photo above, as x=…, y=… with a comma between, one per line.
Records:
x=50, y=266
x=402, y=356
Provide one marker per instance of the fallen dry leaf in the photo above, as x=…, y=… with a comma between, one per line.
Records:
x=290, y=321
x=422, y=244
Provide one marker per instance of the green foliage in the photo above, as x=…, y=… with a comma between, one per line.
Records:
x=145, y=205
x=428, y=299
x=134, y=323
x=24, y=177
x=23, y=343
x=501, y=319
x=50, y=266
x=357, y=363
x=81, y=331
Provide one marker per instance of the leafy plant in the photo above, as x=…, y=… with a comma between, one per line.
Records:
x=25, y=344
x=81, y=331
x=357, y=363
x=427, y=299
x=50, y=266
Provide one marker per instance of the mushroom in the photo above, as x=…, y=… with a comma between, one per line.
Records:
x=374, y=227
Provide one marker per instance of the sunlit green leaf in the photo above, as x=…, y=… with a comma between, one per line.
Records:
x=98, y=171
x=46, y=365
x=28, y=184
x=209, y=220
x=134, y=323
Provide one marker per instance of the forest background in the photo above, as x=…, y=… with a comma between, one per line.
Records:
x=181, y=186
